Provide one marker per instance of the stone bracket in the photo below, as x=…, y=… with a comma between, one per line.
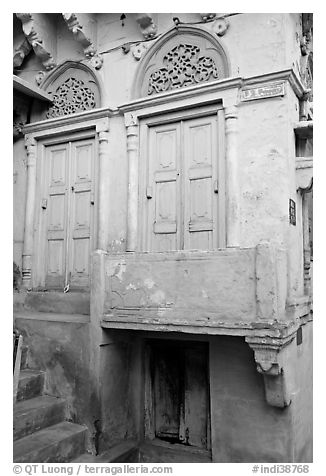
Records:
x=147, y=25
x=268, y=353
x=41, y=36
x=21, y=50
x=304, y=176
x=82, y=26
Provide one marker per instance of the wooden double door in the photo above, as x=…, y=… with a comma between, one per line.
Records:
x=68, y=212
x=181, y=182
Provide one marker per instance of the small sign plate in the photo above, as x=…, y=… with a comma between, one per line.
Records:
x=266, y=91
x=292, y=212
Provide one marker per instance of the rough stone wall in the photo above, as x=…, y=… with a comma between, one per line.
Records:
x=62, y=350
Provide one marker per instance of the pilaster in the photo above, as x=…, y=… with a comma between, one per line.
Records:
x=232, y=179
x=30, y=144
x=102, y=130
x=131, y=123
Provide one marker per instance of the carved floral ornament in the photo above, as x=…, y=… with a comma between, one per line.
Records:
x=183, y=66
x=71, y=97
x=186, y=56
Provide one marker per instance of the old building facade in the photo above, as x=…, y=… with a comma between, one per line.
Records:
x=162, y=231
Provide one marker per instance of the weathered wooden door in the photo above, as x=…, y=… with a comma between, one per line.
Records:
x=67, y=203
x=181, y=395
x=182, y=185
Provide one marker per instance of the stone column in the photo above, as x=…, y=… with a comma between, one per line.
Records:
x=30, y=144
x=232, y=180
x=102, y=130
x=131, y=122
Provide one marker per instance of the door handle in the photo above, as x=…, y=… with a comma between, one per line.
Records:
x=215, y=186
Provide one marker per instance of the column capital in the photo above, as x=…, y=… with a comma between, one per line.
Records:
x=131, y=120
x=103, y=125
x=30, y=144
x=30, y=141
x=231, y=112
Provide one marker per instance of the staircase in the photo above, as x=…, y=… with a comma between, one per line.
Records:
x=41, y=434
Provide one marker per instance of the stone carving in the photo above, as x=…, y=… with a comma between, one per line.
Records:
x=20, y=52
x=220, y=26
x=147, y=25
x=71, y=97
x=183, y=66
x=40, y=75
x=97, y=61
x=268, y=354
x=38, y=37
x=82, y=27
x=138, y=51
x=76, y=28
x=207, y=16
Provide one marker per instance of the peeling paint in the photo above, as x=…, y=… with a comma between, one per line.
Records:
x=131, y=286
x=158, y=297
x=149, y=283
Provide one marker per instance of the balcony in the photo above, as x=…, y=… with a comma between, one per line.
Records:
x=229, y=291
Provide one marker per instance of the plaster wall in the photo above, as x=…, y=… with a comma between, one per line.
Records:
x=244, y=427
x=117, y=181
x=302, y=401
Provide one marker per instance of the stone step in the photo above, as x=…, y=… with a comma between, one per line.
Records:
x=58, y=302
x=31, y=383
x=59, y=443
x=124, y=452
x=37, y=413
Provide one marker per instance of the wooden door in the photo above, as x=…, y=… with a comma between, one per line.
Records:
x=163, y=189
x=55, y=202
x=182, y=185
x=180, y=391
x=81, y=212
x=200, y=183
x=68, y=203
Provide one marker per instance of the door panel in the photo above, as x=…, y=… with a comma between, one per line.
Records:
x=167, y=393
x=196, y=397
x=81, y=219
x=163, y=180
x=70, y=192
x=200, y=166
x=57, y=176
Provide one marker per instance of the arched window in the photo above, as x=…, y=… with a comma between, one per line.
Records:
x=74, y=88
x=184, y=57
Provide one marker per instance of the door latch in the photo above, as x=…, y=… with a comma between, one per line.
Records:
x=149, y=192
